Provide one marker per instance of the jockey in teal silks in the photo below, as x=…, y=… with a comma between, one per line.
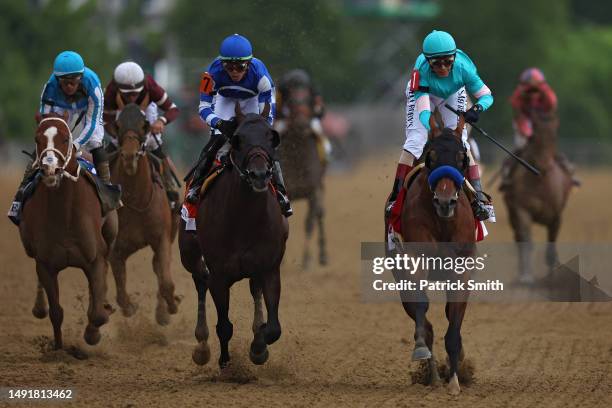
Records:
x=441, y=75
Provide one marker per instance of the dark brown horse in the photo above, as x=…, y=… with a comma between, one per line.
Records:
x=242, y=234
x=145, y=218
x=63, y=226
x=540, y=199
x=438, y=211
x=303, y=168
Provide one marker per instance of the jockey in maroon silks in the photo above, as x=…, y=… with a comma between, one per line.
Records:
x=131, y=85
x=533, y=95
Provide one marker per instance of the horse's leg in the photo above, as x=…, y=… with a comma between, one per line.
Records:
x=220, y=292
x=258, y=352
x=40, y=304
x=48, y=279
x=110, y=228
x=320, y=215
x=455, y=311
x=521, y=224
x=166, y=301
x=99, y=310
x=117, y=262
x=309, y=227
x=270, y=331
x=552, y=258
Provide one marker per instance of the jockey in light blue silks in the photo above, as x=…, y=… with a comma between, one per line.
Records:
x=441, y=75
x=74, y=89
x=234, y=76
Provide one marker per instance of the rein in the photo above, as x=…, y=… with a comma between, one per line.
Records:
x=66, y=158
x=258, y=152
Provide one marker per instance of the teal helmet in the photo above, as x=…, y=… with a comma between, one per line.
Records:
x=438, y=43
x=68, y=63
x=236, y=47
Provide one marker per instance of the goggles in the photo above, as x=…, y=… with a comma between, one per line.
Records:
x=440, y=62
x=235, y=66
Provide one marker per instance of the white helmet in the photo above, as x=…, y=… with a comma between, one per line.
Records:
x=129, y=77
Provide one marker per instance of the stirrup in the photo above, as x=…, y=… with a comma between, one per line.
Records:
x=388, y=208
x=193, y=195
x=483, y=211
x=285, y=204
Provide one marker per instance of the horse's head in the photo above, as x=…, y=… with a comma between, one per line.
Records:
x=54, y=148
x=446, y=159
x=299, y=102
x=133, y=128
x=253, y=147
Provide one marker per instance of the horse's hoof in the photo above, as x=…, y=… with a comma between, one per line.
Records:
x=201, y=353
x=109, y=308
x=260, y=358
x=323, y=260
x=526, y=279
x=40, y=312
x=129, y=310
x=173, y=308
x=92, y=335
x=161, y=316
x=421, y=353
x=453, y=385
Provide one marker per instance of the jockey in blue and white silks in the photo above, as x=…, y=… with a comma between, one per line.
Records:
x=442, y=74
x=235, y=76
x=76, y=89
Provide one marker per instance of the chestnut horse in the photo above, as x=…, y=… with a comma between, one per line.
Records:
x=145, y=218
x=303, y=169
x=541, y=199
x=63, y=226
x=241, y=233
x=437, y=210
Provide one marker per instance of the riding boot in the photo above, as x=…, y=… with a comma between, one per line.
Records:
x=400, y=175
x=568, y=167
x=281, y=191
x=482, y=207
x=14, y=212
x=204, y=165
x=100, y=159
x=170, y=184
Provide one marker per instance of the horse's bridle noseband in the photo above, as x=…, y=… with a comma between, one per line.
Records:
x=253, y=153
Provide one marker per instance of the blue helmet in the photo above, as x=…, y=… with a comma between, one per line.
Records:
x=236, y=47
x=438, y=43
x=68, y=63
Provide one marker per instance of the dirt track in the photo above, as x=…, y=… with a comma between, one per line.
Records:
x=335, y=349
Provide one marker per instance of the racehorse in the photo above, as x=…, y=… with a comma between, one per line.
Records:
x=62, y=226
x=540, y=199
x=437, y=210
x=241, y=233
x=146, y=218
x=303, y=167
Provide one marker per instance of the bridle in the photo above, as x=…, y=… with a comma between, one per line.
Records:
x=66, y=158
x=253, y=153
x=134, y=135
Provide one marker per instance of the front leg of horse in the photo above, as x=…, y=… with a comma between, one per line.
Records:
x=117, y=263
x=309, y=228
x=167, y=302
x=201, y=354
x=322, y=245
x=521, y=224
x=455, y=311
x=48, y=279
x=220, y=292
x=270, y=331
x=99, y=310
x=552, y=257
x=40, y=310
x=258, y=352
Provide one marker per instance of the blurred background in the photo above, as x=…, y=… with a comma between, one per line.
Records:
x=359, y=52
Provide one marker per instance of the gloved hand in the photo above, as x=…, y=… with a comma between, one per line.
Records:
x=227, y=127
x=473, y=114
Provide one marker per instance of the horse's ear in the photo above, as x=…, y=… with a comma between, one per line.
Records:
x=433, y=126
x=266, y=110
x=235, y=141
x=460, y=126
x=238, y=112
x=66, y=115
x=145, y=102
x=146, y=127
x=119, y=100
x=275, y=139
x=38, y=117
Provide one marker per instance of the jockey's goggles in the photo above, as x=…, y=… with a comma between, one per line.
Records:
x=127, y=88
x=236, y=66
x=70, y=79
x=439, y=62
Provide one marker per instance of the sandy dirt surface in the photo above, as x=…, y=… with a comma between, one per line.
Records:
x=335, y=350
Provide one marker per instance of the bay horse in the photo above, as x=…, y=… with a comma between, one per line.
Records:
x=437, y=210
x=303, y=168
x=241, y=233
x=145, y=218
x=63, y=226
x=541, y=199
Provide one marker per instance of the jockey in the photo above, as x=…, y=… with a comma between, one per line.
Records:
x=131, y=85
x=234, y=76
x=298, y=78
x=441, y=74
x=75, y=89
x=533, y=94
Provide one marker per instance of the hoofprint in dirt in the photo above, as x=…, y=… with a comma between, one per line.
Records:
x=336, y=349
